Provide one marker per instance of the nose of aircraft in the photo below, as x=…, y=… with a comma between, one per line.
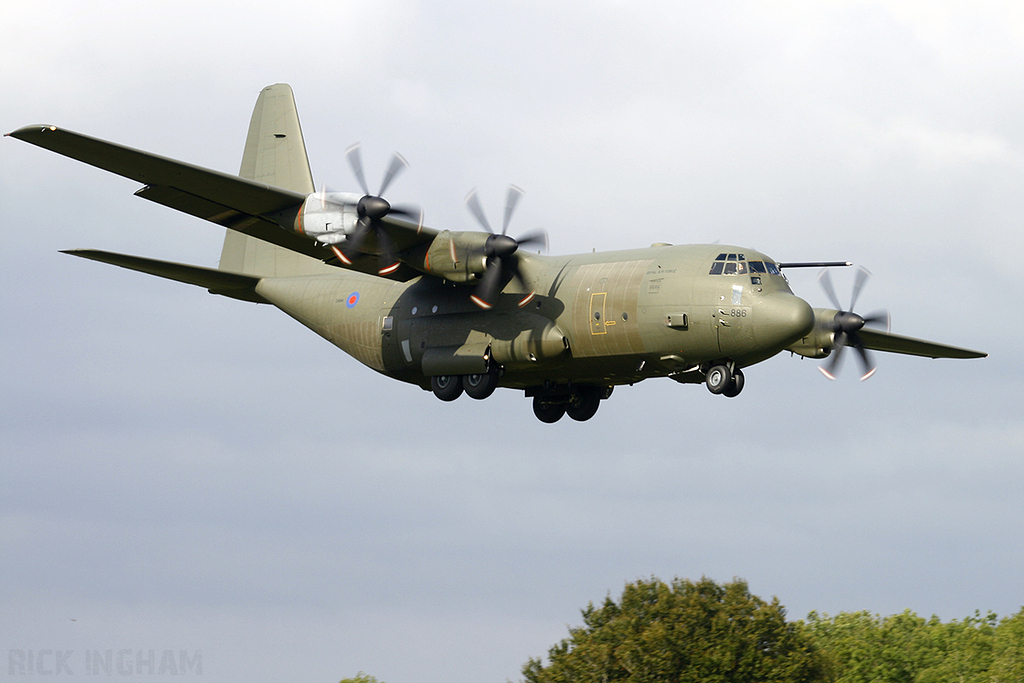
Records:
x=783, y=319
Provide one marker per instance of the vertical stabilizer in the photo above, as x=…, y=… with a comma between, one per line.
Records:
x=276, y=155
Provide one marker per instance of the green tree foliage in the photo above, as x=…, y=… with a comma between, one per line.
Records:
x=687, y=631
x=1008, y=650
x=904, y=648
x=361, y=678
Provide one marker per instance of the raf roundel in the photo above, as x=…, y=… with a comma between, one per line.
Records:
x=353, y=299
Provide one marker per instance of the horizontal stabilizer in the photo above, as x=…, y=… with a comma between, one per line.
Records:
x=220, y=282
x=894, y=343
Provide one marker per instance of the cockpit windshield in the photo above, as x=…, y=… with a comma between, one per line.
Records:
x=737, y=264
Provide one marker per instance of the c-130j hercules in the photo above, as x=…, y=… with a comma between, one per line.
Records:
x=457, y=311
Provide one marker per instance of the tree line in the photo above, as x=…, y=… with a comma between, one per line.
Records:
x=704, y=632
x=721, y=633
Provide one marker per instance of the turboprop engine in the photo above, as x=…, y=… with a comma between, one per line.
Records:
x=328, y=217
x=836, y=328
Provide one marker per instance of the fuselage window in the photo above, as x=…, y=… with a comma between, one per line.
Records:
x=772, y=268
x=716, y=267
x=757, y=267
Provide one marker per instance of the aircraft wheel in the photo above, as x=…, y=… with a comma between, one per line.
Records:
x=547, y=412
x=446, y=387
x=735, y=386
x=583, y=406
x=480, y=386
x=718, y=379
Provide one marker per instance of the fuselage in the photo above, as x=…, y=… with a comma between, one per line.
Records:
x=602, y=318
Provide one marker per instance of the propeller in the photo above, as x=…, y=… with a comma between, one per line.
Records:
x=499, y=251
x=846, y=325
x=371, y=209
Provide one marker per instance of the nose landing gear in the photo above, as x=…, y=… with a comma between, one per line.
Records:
x=725, y=379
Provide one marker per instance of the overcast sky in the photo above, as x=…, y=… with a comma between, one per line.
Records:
x=187, y=472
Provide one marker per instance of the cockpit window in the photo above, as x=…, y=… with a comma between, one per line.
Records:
x=730, y=264
x=737, y=264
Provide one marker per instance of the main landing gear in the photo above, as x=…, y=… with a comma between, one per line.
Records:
x=549, y=403
x=578, y=402
x=450, y=387
x=725, y=379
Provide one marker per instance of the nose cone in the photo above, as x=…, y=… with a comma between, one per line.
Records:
x=783, y=319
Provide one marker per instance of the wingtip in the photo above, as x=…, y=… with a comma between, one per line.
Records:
x=25, y=131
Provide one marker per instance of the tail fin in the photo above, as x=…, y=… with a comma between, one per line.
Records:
x=276, y=155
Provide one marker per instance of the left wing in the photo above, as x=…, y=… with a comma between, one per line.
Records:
x=894, y=343
x=253, y=208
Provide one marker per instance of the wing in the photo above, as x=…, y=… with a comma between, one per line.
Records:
x=247, y=206
x=894, y=343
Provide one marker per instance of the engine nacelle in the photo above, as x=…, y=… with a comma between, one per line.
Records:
x=820, y=341
x=328, y=217
x=457, y=256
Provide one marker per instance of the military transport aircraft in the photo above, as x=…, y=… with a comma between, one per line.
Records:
x=469, y=311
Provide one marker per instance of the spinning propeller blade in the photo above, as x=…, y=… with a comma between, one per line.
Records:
x=846, y=326
x=502, y=262
x=371, y=209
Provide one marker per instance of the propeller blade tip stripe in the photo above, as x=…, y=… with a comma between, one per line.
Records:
x=827, y=373
x=480, y=302
x=389, y=269
x=341, y=255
